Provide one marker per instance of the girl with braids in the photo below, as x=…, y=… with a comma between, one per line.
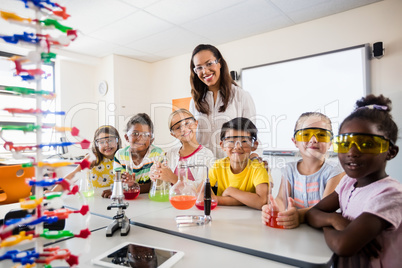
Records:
x=217, y=99
x=368, y=231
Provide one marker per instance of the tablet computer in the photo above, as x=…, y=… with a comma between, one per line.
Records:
x=136, y=255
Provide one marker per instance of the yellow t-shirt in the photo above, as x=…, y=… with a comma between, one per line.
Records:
x=102, y=174
x=247, y=180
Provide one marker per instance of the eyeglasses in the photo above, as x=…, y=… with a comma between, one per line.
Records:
x=365, y=143
x=199, y=68
x=243, y=141
x=186, y=122
x=136, y=134
x=107, y=140
x=305, y=134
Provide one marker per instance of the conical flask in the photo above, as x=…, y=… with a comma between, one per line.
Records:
x=131, y=190
x=201, y=192
x=182, y=195
x=159, y=190
x=117, y=193
x=85, y=184
x=279, y=203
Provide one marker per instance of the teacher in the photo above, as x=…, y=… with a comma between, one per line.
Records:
x=216, y=98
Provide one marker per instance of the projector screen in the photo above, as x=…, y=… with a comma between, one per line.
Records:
x=329, y=83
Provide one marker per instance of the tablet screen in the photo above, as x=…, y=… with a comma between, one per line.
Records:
x=139, y=256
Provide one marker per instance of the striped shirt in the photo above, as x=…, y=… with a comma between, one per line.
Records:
x=123, y=159
x=308, y=190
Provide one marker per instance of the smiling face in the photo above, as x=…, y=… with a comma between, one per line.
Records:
x=364, y=167
x=238, y=154
x=184, y=127
x=107, y=144
x=209, y=75
x=141, y=143
x=313, y=148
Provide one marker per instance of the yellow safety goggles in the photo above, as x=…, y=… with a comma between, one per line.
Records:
x=305, y=134
x=365, y=143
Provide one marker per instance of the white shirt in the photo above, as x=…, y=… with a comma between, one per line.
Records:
x=209, y=126
x=202, y=156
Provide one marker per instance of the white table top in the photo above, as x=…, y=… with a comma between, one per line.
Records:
x=237, y=228
x=241, y=229
x=196, y=254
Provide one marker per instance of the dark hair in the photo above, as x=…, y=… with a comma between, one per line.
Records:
x=199, y=89
x=107, y=130
x=382, y=118
x=141, y=118
x=240, y=124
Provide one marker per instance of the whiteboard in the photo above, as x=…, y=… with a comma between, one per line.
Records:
x=329, y=83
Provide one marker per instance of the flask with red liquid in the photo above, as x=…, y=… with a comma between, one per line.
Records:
x=278, y=204
x=200, y=195
x=182, y=195
x=131, y=190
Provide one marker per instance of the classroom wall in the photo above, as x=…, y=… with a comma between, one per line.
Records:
x=369, y=24
x=77, y=94
x=136, y=86
x=132, y=80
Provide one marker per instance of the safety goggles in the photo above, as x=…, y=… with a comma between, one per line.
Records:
x=305, y=134
x=242, y=141
x=186, y=122
x=365, y=143
x=137, y=135
x=107, y=140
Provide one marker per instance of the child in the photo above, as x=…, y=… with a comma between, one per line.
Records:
x=138, y=157
x=105, y=144
x=183, y=127
x=368, y=231
x=311, y=178
x=241, y=181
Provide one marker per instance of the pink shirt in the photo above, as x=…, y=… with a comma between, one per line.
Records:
x=382, y=198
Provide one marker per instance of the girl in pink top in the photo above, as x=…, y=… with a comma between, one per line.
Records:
x=368, y=231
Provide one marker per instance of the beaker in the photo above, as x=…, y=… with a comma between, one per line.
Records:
x=182, y=195
x=159, y=190
x=201, y=192
x=279, y=203
x=131, y=189
x=85, y=184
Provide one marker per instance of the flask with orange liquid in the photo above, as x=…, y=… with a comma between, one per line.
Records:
x=182, y=195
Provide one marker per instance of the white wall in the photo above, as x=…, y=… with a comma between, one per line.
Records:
x=77, y=94
x=135, y=86
x=132, y=79
x=369, y=24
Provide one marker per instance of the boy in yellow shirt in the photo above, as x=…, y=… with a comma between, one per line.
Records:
x=241, y=181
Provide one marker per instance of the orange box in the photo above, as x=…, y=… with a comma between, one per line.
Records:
x=12, y=183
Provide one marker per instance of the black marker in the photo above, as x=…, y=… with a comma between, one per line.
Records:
x=207, y=198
